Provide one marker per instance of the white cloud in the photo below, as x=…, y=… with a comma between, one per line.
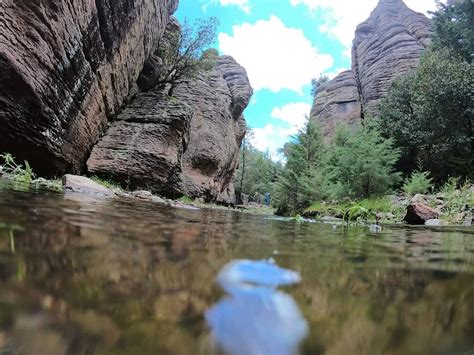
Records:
x=343, y=16
x=243, y=4
x=294, y=114
x=270, y=138
x=276, y=57
x=274, y=136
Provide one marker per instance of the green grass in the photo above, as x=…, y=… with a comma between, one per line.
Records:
x=457, y=198
x=19, y=172
x=186, y=199
x=106, y=183
x=358, y=211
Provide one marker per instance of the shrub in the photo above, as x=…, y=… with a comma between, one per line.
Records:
x=418, y=183
x=360, y=164
x=20, y=173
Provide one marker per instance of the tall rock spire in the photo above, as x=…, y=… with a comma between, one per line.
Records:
x=388, y=44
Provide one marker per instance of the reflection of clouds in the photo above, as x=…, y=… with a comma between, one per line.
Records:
x=257, y=318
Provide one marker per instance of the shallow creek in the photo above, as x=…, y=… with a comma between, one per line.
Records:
x=86, y=276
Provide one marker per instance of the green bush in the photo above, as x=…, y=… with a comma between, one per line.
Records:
x=418, y=183
x=359, y=163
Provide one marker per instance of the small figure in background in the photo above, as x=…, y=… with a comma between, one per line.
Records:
x=268, y=199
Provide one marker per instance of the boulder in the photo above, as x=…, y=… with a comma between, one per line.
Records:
x=388, y=44
x=66, y=67
x=418, y=213
x=85, y=186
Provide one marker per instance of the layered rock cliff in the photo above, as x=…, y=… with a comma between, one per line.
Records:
x=66, y=66
x=388, y=44
x=184, y=144
x=77, y=85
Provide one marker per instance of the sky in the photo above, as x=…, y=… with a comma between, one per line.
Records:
x=283, y=44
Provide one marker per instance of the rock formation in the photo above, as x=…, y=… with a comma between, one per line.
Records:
x=337, y=101
x=78, y=77
x=388, y=44
x=185, y=144
x=66, y=66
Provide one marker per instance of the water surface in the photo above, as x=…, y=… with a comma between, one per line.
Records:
x=81, y=276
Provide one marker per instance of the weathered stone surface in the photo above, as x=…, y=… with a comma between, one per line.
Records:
x=337, y=102
x=418, y=213
x=144, y=145
x=185, y=144
x=218, y=99
x=388, y=44
x=85, y=186
x=65, y=67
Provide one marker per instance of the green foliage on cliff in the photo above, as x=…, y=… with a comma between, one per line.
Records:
x=430, y=113
x=186, y=52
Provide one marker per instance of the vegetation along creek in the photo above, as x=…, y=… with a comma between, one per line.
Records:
x=236, y=177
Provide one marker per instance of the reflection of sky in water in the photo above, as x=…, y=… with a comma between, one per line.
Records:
x=257, y=318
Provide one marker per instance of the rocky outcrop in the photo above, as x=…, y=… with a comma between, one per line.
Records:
x=337, y=102
x=143, y=146
x=387, y=45
x=185, y=144
x=65, y=67
x=217, y=130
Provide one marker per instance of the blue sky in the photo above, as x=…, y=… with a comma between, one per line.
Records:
x=283, y=44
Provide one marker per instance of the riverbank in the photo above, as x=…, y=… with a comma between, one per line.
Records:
x=452, y=206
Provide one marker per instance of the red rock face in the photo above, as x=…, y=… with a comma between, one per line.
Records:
x=418, y=213
x=67, y=65
x=387, y=45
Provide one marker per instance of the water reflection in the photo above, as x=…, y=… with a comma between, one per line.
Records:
x=256, y=318
x=123, y=277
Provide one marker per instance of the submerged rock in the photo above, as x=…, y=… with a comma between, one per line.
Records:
x=418, y=213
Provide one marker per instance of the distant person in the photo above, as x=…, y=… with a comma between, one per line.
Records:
x=268, y=199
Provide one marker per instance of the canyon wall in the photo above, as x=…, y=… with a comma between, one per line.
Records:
x=66, y=66
x=76, y=93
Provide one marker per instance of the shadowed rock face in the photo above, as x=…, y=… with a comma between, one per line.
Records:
x=217, y=130
x=387, y=45
x=185, y=144
x=337, y=101
x=65, y=67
